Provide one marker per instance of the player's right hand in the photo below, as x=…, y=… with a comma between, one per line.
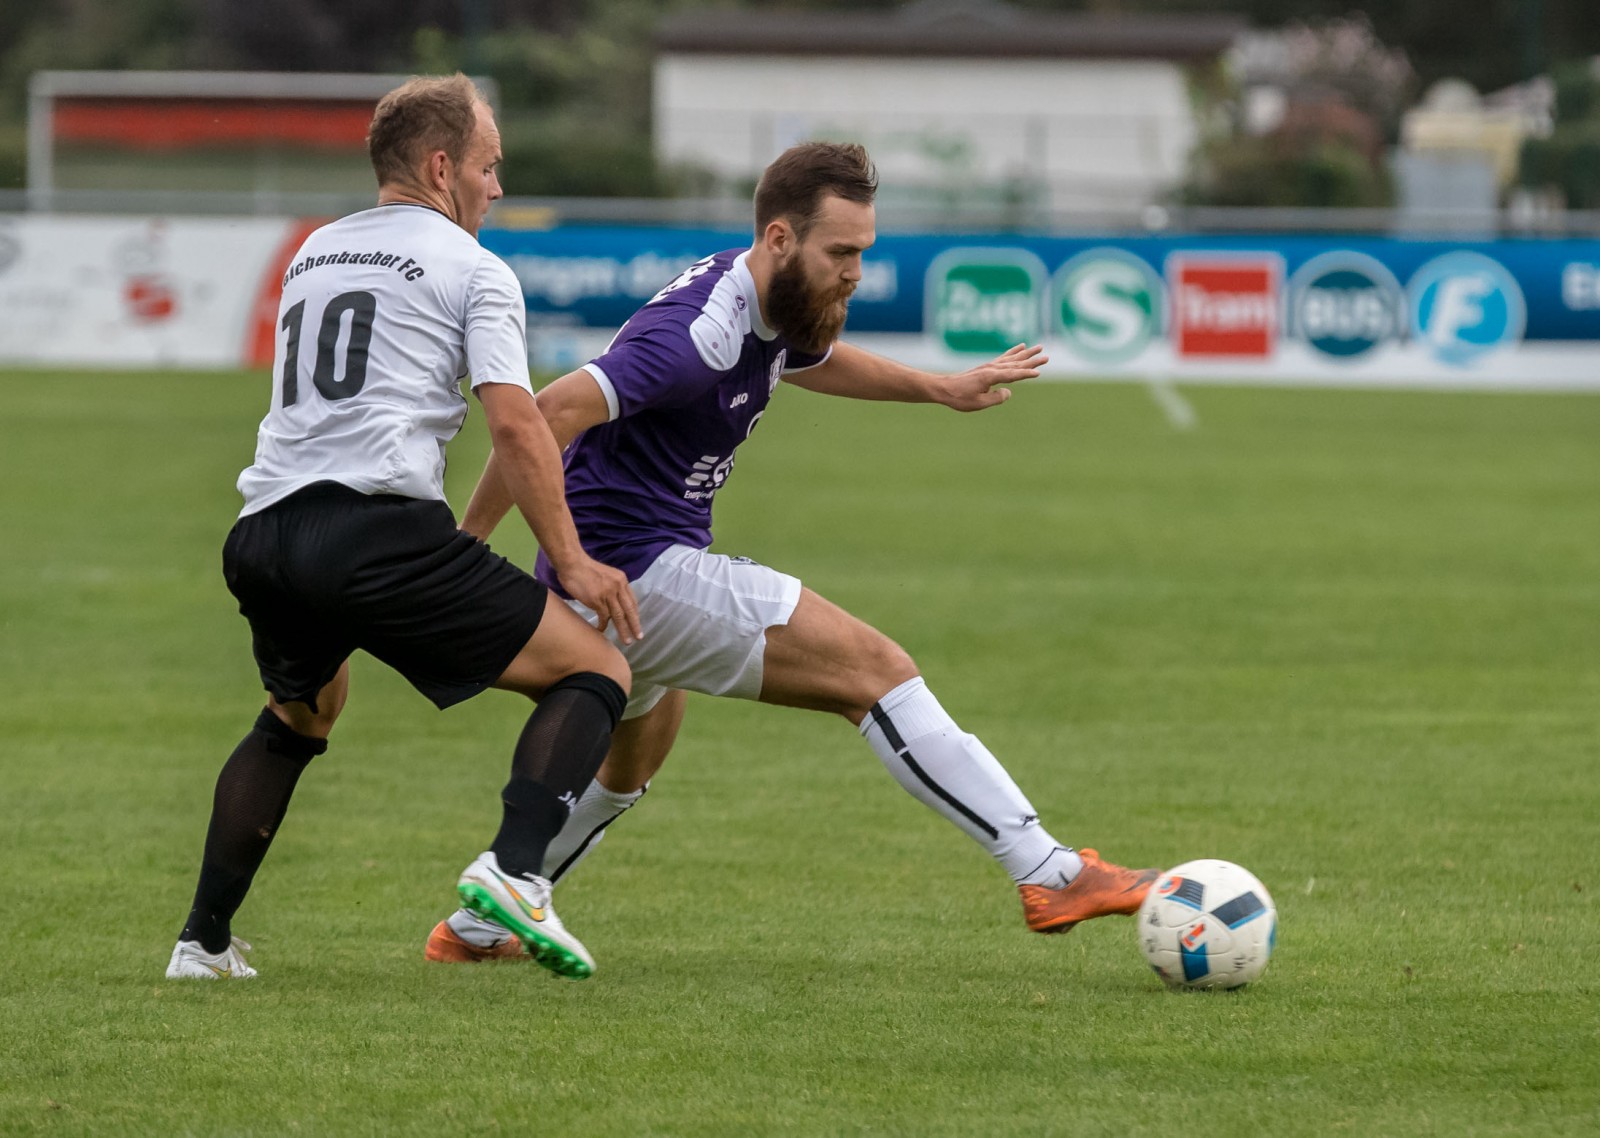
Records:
x=607, y=593
x=979, y=387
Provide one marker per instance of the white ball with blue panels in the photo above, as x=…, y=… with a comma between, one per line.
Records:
x=1208, y=924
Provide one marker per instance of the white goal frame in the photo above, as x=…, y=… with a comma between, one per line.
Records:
x=46, y=87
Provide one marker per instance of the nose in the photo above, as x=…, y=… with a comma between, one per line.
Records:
x=852, y=270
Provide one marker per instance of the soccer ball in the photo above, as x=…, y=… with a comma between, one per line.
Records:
x=1207, y=924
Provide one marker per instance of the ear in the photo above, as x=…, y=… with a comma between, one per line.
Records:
x=437, y=170
x=779, y=237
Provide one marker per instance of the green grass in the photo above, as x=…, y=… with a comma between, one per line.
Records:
x=1346, y=639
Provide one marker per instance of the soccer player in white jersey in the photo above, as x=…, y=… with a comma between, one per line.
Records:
x=650, y=428
x=345, y=540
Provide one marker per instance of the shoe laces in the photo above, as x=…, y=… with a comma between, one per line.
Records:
x=534, y=890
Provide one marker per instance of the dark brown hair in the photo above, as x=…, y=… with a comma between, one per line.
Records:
x=423, y=114
x=798, y=179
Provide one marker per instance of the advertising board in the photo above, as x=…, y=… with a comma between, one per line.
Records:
x=1342, y=310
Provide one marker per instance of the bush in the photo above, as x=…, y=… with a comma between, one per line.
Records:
x=551, y=161
x=1246, y=171
x=1569, y=160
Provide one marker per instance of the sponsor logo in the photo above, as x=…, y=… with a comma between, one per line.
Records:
x=150, y=298
x=1224, y=304
x=1195, y=936
x=149, y=293
x=1580, y=286
x=1465, y=305
x=1108, y=305
x=1345, y=305
x=984, y=301
x=709, y=473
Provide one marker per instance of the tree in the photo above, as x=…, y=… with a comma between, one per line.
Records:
x=1338, y=94
x=1569, y=159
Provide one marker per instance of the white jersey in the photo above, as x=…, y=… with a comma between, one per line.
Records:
x=383, y=312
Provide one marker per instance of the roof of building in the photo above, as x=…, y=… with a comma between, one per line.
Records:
x=950, y=28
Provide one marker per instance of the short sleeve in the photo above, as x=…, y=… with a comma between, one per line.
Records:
x=496, y=325
x=800, y=361
x=656, y=364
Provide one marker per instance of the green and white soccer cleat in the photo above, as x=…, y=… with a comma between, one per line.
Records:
x=522, y=904
x=191, y=962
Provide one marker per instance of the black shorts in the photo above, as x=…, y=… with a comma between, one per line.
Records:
x=329, y=570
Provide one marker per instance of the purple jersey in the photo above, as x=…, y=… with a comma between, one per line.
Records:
x=685, y=380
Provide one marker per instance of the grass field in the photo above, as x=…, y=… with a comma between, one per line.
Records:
x=1350, y=640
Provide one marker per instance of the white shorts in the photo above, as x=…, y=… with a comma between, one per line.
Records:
x=705, y=618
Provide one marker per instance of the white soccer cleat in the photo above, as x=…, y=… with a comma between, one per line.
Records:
x=522, y=904
x=191, y=962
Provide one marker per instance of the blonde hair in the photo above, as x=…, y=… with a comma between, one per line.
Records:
x=424, y=114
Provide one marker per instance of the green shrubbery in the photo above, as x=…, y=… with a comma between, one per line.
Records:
x=1246, y=171
x=1569, y=160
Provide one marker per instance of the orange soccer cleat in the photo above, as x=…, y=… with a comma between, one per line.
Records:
x=446, y=947
x=1099, y=890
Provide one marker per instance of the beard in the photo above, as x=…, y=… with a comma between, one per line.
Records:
x=810, y=319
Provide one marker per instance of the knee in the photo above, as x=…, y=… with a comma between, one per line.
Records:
x=299, y=718
x=315, y=720
x=615, y=669
x=284, y=738
x=884, y=666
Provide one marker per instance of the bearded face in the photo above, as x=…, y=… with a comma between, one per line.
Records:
x=809, y=314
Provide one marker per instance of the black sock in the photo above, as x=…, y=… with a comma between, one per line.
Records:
x=556, y=758
x=251, y=798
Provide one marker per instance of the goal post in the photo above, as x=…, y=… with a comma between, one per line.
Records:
x=250, y=134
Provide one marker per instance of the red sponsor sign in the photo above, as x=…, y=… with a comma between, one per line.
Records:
x=1225, y=305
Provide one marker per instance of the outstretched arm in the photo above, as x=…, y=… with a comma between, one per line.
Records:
x=859, y=374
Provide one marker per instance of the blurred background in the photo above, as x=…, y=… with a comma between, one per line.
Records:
x=1014, y=140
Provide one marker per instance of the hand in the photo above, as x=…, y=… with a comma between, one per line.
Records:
x=980, y=388
x=606, y=591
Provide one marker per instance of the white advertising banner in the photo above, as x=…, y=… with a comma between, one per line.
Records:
x=140, y=291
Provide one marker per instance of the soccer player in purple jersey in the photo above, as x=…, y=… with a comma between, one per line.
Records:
x=650, y=429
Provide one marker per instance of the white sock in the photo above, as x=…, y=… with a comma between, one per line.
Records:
x=953, y=773
x=586, y=825
x=475, y=930
x=596, y=809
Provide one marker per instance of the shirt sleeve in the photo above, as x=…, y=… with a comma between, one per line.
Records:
x=496, y=325
x=656, y=364
x=800, y=361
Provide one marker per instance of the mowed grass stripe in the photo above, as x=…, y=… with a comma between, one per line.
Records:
x=1344, y=638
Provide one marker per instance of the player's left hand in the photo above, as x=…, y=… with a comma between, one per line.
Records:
x=983, y=386
x=606, y=592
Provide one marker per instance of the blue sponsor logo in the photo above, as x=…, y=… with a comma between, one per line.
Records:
x=1465, y=305
x=1346, y=304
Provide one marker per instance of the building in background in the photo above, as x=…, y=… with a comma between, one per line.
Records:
x=1460, y=150
x=969, y=102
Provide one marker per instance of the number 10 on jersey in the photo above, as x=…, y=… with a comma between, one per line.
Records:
x=325, y=374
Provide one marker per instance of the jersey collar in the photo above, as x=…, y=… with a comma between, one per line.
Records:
x=747, y=285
